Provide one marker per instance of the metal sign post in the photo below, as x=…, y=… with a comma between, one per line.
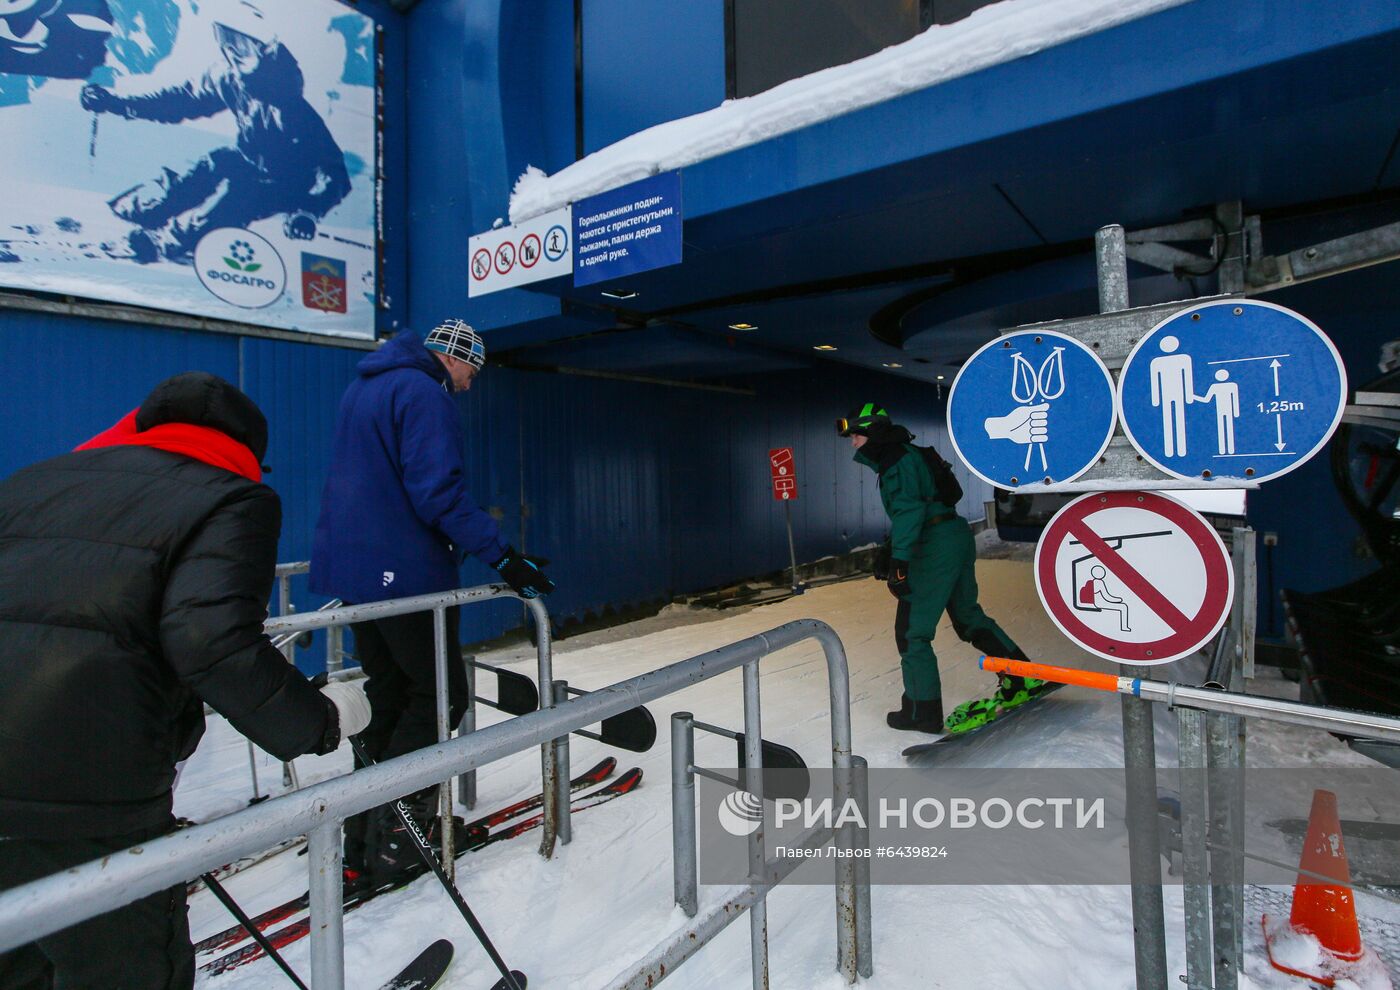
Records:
x=784, y=470
x=797, y=588
x=1139, y=745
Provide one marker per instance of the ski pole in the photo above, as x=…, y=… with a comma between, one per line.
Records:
x=227, y=900
x=509, y=980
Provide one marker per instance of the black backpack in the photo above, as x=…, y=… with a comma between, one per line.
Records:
x=945, y=483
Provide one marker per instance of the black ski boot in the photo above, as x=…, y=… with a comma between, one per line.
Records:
x=917, y=716
x=390, y=851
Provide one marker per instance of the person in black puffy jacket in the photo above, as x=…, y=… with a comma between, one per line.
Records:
x=134, y=577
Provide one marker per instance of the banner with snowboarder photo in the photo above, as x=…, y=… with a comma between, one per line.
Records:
x=211, y=157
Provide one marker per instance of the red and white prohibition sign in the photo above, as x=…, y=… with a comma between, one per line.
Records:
x=1135, y=577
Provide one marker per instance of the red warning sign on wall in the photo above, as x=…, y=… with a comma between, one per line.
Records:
x=784, y=470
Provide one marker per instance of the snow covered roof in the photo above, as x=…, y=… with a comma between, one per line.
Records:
x=992, y=35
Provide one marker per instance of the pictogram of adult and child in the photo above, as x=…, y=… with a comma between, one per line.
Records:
x=1173, y=389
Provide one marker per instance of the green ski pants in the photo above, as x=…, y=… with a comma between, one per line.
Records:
x=942, y=576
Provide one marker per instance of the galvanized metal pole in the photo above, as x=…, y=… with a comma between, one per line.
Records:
x=1245, y=611
x=1149, y=920
x=335, y=649
x=327, y=907
x=253, y=769
x=1225, y=748
x=1139, y=746
x=865, y=959
x=466, y=783
x=753, y=783
x=1111, y=253
x=792, y=548
x=1195, y=853
x=683, y=838
x=1226, y=785
x=562, y=773
x=549, y=770
x=444, y=732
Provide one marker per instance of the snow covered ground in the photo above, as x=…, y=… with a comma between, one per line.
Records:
x=605, y=900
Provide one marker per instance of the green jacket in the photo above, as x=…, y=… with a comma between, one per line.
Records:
x=909, y=497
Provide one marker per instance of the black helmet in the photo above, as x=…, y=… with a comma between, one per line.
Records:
x=862, y=418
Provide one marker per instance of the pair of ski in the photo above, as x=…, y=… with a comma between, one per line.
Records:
x=425, y=971
x=355, y=895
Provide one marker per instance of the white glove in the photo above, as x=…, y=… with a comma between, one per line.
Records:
x=352, y=705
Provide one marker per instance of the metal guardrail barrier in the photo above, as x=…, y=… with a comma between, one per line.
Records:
x=56, y=902
x=1211, y=723
x=555, y=809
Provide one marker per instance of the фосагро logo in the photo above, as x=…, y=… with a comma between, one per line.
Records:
x=240, y=267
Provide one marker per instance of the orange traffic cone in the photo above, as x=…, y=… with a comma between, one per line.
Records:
x=1323, y=906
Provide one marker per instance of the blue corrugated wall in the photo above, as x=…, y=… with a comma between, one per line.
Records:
x=635, y=491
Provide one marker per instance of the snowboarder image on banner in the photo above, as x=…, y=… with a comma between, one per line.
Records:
x=284, y=162
x=54, y=39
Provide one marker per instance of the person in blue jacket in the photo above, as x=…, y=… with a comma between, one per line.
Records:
x=396, y=520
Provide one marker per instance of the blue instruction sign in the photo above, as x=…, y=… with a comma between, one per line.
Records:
x=1031, y=408
x=631, y=229
x=1232, y=389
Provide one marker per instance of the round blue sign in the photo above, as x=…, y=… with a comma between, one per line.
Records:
x=1031, y=408
x=1232, y=389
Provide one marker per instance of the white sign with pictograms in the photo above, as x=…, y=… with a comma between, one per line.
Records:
x=527, y=252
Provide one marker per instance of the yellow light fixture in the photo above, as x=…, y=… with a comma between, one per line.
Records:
x=824, y=347
x=743, y=326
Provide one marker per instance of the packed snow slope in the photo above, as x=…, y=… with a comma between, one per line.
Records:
x=606, y=899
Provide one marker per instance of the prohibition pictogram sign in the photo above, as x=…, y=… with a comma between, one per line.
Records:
x=481, y=264
x=1136, y=577
x=505, y=257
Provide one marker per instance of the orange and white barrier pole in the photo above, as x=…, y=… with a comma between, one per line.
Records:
x=1339, y=720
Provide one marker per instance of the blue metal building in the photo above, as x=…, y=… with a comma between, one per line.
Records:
x=627, y=439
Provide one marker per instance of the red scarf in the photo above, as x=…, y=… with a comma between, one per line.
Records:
x=203, y=443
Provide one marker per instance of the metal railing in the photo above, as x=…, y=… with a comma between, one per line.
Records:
x=335, y=649
x=555, y=810
x=56, y=902
x=1211, y=733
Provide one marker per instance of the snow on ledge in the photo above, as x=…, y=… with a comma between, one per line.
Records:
x=991, y=35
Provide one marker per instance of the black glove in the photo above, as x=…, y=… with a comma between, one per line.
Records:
x=880, y=563
x=898, y=580
x=524, y=574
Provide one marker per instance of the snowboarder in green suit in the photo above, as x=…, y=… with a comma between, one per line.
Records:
x=930, y=569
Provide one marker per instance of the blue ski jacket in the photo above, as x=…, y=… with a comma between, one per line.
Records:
x=396, y=517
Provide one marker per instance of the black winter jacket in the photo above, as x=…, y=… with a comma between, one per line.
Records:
x=133, y=587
